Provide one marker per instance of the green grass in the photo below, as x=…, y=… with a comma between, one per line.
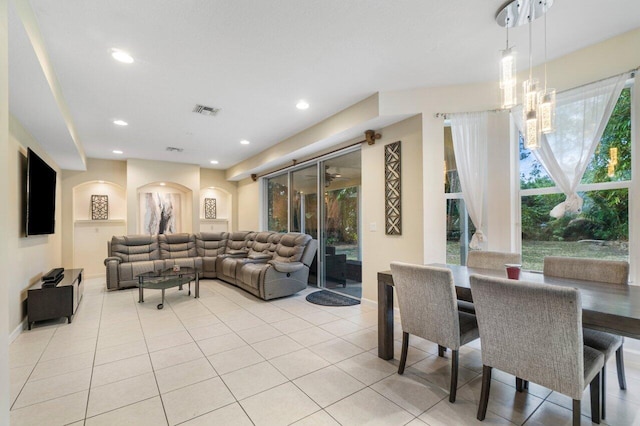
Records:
x=533, y=252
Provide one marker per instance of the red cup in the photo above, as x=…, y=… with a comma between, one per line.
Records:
x=513, y=271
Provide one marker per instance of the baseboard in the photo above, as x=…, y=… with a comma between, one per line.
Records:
x=15, y=333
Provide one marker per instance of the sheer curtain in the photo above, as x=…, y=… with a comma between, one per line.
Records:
x=469, y=131
x=581, y=117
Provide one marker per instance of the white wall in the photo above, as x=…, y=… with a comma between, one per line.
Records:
x=144, y=172
x=32, y=256
x=217, y=179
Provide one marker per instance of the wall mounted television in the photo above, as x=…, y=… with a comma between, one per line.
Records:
x=41, y=196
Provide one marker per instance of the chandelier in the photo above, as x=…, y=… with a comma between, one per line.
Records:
x=538, y=104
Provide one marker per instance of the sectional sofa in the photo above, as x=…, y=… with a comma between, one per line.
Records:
x=266, y=264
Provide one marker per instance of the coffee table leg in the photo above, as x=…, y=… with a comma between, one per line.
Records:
x=161, y=305
x=140, y=290
x=197, y=286
x=189, y=288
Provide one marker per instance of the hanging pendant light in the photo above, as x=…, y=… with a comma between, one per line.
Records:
x=530, y=101
x=547, y=99
x=508, y=80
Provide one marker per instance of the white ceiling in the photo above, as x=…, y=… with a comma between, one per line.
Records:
x=255, y=59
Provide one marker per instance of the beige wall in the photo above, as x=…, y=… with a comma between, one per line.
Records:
x=144, y=172
x=249, y=205
x=379, y=249
x=84, y=245
x=28, y=257
x=222, y=188
x=5, y=183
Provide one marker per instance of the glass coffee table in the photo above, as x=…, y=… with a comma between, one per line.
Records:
x=168, y=278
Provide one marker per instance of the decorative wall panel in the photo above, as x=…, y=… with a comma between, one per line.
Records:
x=99, y=207
x=210, y=208
x=392, y=189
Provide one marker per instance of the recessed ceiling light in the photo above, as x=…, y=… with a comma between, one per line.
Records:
x=121, y=56
x=117, y=151
x=214, y=161
x=245, y=142
x=100, y=181
x=162, y=184
x=120, y=123
x=212, y=187
x=302, y=104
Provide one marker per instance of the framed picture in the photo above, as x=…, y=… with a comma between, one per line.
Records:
x=160, y=213
x=99, y=207
x=210, y=208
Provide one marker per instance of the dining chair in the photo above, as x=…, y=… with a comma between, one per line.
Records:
x=604, y=271
x=428, y=309
x=534, y=331
x=487, y=260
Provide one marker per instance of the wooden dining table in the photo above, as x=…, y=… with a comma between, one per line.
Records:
x=613, y=308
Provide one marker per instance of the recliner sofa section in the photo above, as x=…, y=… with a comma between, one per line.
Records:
x=266, y=264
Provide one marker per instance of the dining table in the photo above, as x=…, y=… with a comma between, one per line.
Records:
x=614, y=308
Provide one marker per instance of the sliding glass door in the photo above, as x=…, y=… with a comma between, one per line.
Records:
x=323, y=200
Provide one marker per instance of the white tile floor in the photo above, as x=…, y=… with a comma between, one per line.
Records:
x=229, y=358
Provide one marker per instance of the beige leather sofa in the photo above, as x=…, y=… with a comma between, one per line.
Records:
x=266, y=264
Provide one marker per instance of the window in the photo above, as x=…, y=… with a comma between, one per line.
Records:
x=601, y=230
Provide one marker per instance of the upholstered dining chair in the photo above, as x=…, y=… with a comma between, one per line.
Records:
x=487, y=260
x=534, y=331
x=428, y=309
x=604, y=271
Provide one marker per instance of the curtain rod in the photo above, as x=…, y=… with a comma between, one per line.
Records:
x=370, y=137
x=446, y=115
x=632, y=73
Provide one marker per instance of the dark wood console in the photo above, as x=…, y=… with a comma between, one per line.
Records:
x=45, y=303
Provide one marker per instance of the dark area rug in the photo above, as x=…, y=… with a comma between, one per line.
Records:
x=329, y=298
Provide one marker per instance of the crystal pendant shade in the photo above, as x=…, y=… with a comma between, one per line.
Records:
x=547, y=111
x=530, y=111
x=508, y=81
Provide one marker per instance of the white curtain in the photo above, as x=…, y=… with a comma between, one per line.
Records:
x=581, y=117
x=469, y=131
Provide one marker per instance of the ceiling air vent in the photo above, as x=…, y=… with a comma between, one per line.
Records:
x=205, y=110
x=174, y=149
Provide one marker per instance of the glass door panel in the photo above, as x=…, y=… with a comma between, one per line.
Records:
x=304, y=196
x=342, y=224
x=278, y=203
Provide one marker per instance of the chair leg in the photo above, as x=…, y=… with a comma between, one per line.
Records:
x=441, y=351
x=620, y=365
x=454, y=376
x=576, y=412
x=403, y=355
x=595, y=399
x=484, y=394
x=603, y=391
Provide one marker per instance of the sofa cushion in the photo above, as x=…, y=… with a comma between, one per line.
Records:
x=130, y=270
x=211, y=244
x=260, y=245
x=135, y=248
x=177, y=246
x=291, y=247
x=250, y=274
x=238, y=241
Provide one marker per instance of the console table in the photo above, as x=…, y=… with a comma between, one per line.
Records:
x=45, y=303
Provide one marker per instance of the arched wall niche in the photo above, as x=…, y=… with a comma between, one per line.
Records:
x=164, y=207
x=90, y=235
x=223, y=222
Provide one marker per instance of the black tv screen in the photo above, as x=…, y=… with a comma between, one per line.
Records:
x=41, y=196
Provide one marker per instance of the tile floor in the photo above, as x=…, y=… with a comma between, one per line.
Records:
x=229, y=358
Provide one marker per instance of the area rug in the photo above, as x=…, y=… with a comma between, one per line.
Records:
x=329, y=298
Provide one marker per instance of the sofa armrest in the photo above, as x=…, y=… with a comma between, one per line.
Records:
x=113, y=280
x=286, y=266
x=112, y=258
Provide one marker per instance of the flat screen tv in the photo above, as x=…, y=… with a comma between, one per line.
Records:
x=41, y=196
